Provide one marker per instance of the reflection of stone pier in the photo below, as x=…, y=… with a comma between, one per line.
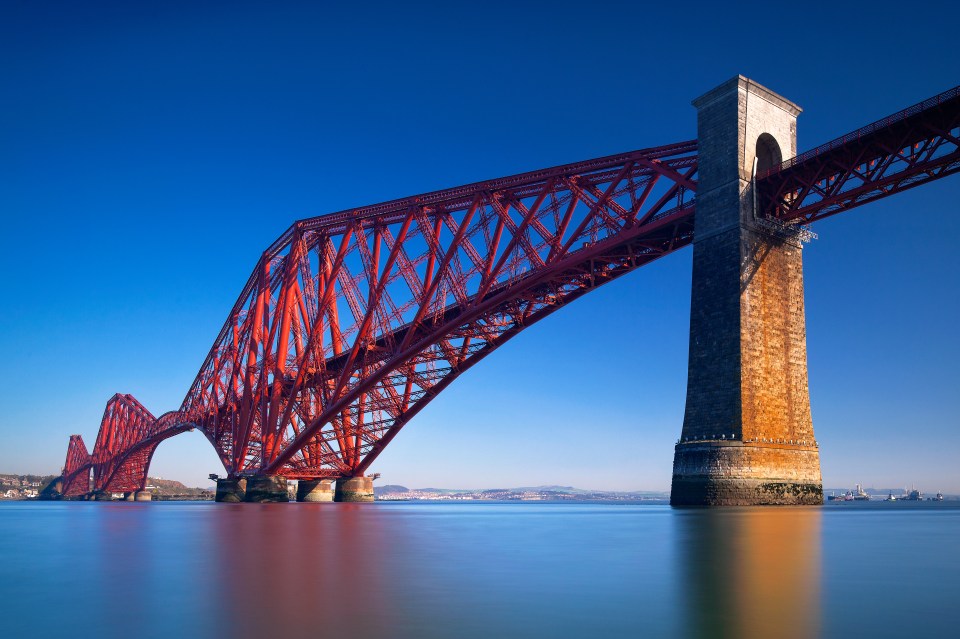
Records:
x=752, y=572
x=327, y=572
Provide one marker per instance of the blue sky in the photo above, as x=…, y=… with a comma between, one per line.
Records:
x=150, y=151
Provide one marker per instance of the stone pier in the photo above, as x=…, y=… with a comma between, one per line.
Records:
x=231, y=489
x=143, y=495
x=747, y=431
x=266, y=488
x=315, y=491
x=354, y=489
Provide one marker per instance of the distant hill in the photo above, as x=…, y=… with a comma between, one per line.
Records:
x=166, y=484
x=390, y=489
x=163, y=489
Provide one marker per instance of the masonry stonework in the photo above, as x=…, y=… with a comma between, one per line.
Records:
x=747, y=431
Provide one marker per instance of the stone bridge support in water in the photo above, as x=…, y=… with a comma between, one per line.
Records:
x=269, y=488
x=747, y=431
x=354, y=489
x=319, y=490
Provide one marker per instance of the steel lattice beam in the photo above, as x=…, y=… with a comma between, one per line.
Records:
x=907, y=149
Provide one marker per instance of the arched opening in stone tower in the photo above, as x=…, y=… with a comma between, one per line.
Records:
x=768, y=152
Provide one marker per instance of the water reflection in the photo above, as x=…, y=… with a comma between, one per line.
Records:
x=300, y=571
x=309, y=570
x=419, y=571
x=751, y=572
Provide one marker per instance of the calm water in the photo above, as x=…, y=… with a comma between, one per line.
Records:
x=398, y=570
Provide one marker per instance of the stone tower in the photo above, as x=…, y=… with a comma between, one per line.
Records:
x=747, y=431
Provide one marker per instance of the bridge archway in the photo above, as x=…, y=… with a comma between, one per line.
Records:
x=187, y=456
x=768, y=152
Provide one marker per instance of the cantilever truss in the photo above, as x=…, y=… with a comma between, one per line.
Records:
x=352, y=322
x=76, y=470
x=907, y=149
x=128, y=436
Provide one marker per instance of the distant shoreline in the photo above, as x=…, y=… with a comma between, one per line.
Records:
x=15, y=487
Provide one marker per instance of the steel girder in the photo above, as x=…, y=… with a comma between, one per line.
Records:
x=907, y=149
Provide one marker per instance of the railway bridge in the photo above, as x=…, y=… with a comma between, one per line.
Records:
x=352, y=322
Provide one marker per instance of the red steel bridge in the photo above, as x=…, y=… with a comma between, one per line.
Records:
x=352, y=322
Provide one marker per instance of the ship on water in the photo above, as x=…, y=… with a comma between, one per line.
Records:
x=912, y=495
x=858, y=495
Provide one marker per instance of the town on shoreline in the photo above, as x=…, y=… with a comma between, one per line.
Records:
x=31, y=487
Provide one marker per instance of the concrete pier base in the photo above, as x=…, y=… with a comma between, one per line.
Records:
x=354, y=489
x=143, y=495
x=315, y=491
x=742, y=474
x=266, y=488
x=231, y=489
x=101, y=496
x=130, y=496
